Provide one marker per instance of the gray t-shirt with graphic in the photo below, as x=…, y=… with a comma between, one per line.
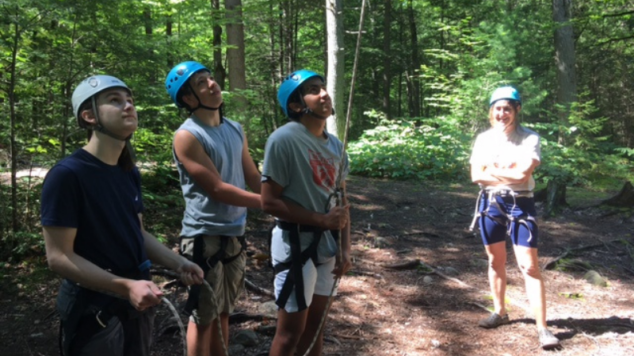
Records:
x=306, y=167
x=203, y=215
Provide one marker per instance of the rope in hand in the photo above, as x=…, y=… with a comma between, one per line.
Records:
x=180, y=323
x=339, y=182
x=177, y=316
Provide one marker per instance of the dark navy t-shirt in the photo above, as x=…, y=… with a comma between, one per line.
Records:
x=102, y=202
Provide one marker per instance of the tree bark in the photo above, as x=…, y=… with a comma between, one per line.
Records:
x=387, y=58
x=566, y=88
x=336, y=67
x=235, y=52
x=12, y=119
x=564, y=58
x=220, y=74
x=625, y=198
x=413, y=92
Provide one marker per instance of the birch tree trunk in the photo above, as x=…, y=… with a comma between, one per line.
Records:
x=335, y=80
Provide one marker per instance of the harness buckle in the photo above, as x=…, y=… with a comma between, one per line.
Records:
x=97, y=317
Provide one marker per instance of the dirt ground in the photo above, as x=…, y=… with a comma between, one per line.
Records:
x=415, y=310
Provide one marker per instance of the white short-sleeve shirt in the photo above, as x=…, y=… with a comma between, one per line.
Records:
x=494, y=148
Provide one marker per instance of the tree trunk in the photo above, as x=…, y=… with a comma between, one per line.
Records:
x=235, y=52
x=336, y=67
x=12, y=119
x=555, y=197
x=564, y=59
x=147, y=24
x=387, y=58
x=274, y=72
x=219, y=70
x=625, y=198
x=414, y=104
x=567, y=87
x=169, y=23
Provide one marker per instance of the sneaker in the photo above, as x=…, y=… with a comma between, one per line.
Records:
x=547, y=340
x=494, y=320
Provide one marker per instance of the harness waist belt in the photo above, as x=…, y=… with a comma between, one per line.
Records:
x=510, y=193
x=295, y=278
x=284, y=225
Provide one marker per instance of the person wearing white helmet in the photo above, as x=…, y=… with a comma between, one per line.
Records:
x=91, y=213
x=502, y=164
x=301, y=166
x=214, y=165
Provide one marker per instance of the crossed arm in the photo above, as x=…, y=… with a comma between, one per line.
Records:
x=490, y=175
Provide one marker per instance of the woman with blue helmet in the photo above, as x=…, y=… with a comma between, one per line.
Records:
x=301, y=165
x=214, y=164
x=502, y=164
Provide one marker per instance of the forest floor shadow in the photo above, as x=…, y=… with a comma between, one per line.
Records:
x=405, y=310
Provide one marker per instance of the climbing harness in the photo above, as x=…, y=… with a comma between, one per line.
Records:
x=298, y=259
x=507, y=219
x=206, y=264
x=91, y=311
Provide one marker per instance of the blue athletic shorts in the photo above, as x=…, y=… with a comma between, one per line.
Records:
x=494, y=226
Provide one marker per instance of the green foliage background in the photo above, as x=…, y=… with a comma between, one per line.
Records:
x=465, y=48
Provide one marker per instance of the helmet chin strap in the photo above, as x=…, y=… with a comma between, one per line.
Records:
x=202, y=106
x=307, y=111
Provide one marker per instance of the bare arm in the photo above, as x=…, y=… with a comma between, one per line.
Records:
x=63, y=260
x=251, y=174
x=158, y=253
x=191, y=153
x=517, y=174
x=274, y=204
x=490, y=175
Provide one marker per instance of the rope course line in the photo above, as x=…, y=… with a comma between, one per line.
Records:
x=339, y=180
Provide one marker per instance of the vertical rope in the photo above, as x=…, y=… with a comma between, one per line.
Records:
x=339, y=180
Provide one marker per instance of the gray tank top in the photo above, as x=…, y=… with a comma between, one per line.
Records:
x=203, y=215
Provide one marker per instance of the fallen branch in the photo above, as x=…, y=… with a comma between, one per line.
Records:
x=253, y=288
x=480, y=306
x=365, y=273
x=238, y=318
x=404, y=265
x=416, y=263
x=551, y=264
x=352, y=337
x=444, y=275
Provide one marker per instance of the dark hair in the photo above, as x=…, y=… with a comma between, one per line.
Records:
x=295, y=97
x=186, y=89
x=126, y=162
x=513, y=103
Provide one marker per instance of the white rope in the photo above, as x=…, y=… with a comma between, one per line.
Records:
x=182, y=327
x=180, y=323
x=339, y=180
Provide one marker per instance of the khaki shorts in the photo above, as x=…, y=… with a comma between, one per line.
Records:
x=227, y=281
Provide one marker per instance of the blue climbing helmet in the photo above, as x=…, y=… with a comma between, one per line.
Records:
x=505, y=93
x=291, y=83
x=179, y=75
